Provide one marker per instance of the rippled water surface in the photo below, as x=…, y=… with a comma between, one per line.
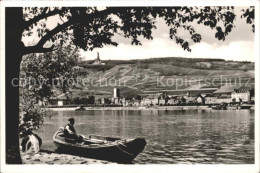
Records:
x=185, y=136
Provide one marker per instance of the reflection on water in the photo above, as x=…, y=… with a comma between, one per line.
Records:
x=185, y=136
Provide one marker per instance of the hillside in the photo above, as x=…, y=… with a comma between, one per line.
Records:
x=138, y=76
x=197, y=63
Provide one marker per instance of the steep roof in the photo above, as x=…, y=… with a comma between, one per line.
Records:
x=226, y=89
x=128, y=92
x=243, y=89
x=223, y=97
x=210, y=95
x=62, y=96
x=184, y=91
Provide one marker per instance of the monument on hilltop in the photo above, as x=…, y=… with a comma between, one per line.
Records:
x=98, y=61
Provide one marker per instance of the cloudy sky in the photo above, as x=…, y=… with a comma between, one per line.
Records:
x=239, y=45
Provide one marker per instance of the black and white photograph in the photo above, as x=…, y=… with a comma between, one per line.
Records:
x=85, y=84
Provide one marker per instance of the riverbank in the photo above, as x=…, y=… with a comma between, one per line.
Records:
x=55, y=158
x=136, y=108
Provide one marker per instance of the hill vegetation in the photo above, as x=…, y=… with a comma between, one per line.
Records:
x=142, y=75
x=195, y=63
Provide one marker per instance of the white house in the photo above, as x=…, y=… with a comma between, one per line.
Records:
x=210, y=99
x=241, y=94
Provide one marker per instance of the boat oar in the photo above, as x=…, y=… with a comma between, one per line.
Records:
x=121, y=143
x=123, y=149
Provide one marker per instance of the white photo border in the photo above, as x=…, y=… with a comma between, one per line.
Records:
x=238, y=168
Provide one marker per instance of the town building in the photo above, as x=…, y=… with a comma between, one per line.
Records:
x=43, y=102
x=178, y=99
x=223, y=99
x=223, y=94
x=210, y=99
x=233, y=93
x=191, y=98
x=137, y=103
x=241, y=94
x=103, y=101
x=60, y=100
x=150, y=100
x=116, y=100
x=171, y=101
x=162, y=101
x=252, y=98
x=184, y=92
x=116, y=93
x=200, y=99
x=125, y=102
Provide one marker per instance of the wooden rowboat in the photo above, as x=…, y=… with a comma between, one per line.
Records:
x=99, y=147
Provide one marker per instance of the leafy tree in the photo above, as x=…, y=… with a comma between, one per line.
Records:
x=77, y=101
x=91, y=99
x=40, y=75
x=31, y=115
x=90, y=28
x=138, y=97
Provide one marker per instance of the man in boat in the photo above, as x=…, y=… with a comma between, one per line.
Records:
x=70, y=132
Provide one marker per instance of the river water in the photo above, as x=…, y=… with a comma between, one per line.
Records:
x=173, y=136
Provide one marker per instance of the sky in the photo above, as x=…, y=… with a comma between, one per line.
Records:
x=238, y=46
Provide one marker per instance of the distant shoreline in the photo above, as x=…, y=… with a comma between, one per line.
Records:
x=140, y=108
x=136, y=108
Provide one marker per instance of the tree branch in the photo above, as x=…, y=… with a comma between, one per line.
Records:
x=45, y=10
x=42, y=16
x=65, y=25
x=37, y=49
x=54, y=31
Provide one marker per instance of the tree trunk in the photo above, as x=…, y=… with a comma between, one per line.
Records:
x=14, y=48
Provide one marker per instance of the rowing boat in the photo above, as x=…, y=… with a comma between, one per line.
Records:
x=99, y=147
